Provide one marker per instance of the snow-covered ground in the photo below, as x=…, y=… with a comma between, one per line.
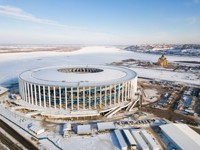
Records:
x=94, y=142
x=150, y=92
x=12, y=64
x=150, y=95
x=184, y=77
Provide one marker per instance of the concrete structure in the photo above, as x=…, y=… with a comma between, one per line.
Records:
x=149, y=140
x=121, y=140
x=84, y=129
x=66, y=129
x=129, y=138
x=162, y=61
x=141, y=144
x=182, y=136
x=78, y=88
x=103, y=126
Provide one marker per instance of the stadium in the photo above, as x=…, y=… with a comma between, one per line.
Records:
x=78, y=88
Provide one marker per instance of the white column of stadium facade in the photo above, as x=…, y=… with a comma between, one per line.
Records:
x=75, y=98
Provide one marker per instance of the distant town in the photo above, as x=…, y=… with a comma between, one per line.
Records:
x=167, y=49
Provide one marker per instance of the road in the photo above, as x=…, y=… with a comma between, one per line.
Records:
x=27, y=144
x=6, y=141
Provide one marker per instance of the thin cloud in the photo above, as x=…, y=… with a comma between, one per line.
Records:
x=17, y=13
x=192, y=20
x=189, y=20
x=192, y=2
x=196, y=1
x=73, y=31
x=174, y=20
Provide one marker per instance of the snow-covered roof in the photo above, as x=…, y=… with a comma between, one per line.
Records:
x=36, y=129
x=3, y=90
x=54, y=77
x=84, y=129
x=67, y=127
x=129, y=137
x=140, y=141
x=121, y=139
x=149, y=138
x=105, y=126
x=182, y=135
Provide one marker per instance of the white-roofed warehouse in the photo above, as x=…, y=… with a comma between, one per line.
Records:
x=121, y=140
x=84, y=129
x=103, y=126
x=141, y=144
x=149, y=140
x=182, y=136
x=36, y=129
x=129, y=138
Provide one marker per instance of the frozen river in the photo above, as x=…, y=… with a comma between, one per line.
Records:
x=12, y=64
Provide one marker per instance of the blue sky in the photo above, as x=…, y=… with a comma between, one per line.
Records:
x=99, y=21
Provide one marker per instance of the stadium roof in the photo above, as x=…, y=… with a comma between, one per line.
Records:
x=182, y=135
x=74, y=75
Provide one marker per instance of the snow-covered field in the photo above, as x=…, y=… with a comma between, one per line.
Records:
x=168, y=75
x=96, y=142
x=12, y=64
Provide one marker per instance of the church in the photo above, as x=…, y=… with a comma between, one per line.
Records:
x=162, y=61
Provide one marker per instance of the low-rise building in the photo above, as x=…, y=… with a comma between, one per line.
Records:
x=36, y=129
x=121, y=140
x=149, y=140
x=3, y=90
x=130, y=140
x=84, y=129
x=141, y=144
x=103, y=126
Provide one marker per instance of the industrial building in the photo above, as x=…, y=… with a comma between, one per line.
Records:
x=78, y=87
x=149, y=140
x=84, y=129
x=136, y=139
x=130, y=140
x=104, y=126
x=141, y=144
x=181, y=136
x=121, y=140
